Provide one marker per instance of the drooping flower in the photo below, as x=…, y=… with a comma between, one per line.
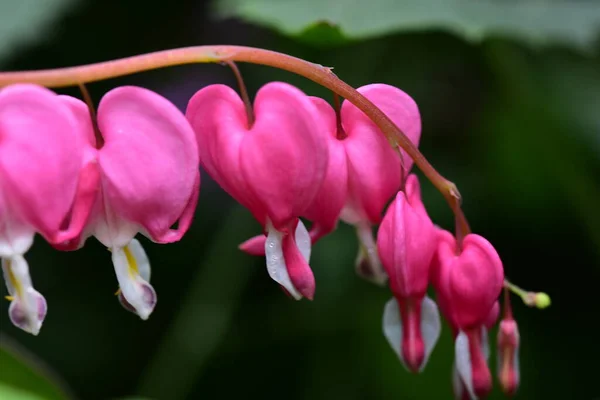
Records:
x=41, y=157
x=407, y=241
x=149, y=181
x=274, y=168
x=508, y=343
x=469, y=280
x=363, y=173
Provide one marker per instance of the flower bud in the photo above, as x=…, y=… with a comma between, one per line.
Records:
x=508, y=356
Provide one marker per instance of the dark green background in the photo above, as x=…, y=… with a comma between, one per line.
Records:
x=516, y=127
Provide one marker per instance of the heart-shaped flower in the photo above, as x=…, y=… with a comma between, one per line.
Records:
x=41, y=154
x=363, y=172
x=406, y=242
x=469, y=280
x=274, y=167
x=149, y=181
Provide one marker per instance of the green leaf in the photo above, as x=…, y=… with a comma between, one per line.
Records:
x=321, y=22
x=25, y=21
x=23, y=378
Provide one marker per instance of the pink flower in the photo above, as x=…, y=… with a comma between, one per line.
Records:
x=274, y=168
x=468, y=282
x=41, y=153
x=508, y=344
x=149, y=180
x=406, y=242
x=363, y=172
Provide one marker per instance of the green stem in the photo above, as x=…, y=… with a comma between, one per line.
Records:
x=71, y=76
x=515, y=289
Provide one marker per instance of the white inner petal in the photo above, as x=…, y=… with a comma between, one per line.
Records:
x=109, y=228
x=431, y=327
x=141, y=258
x=485, y=343
x=303, y=240
x=463, y=362
x=457, y=385
x=132, y=285
x=276, y=266
x=8, y=278
x=516, y=364
x=18, y=282
x=14, y=239
x=392, y=327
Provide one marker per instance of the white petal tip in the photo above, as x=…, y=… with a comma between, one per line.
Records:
x=145, y=301
x=28, y=313
x=392, y=328
x=431, y=327
x=276, y=266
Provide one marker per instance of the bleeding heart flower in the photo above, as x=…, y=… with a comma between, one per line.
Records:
x=274, y=168
x=468, y=283
x=149, y=180
x=406, y=242
x=363, y=173
x=508, y=344
x=41, y=153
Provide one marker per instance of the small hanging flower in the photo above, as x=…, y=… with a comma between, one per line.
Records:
x=406, y=242
x=469, y=281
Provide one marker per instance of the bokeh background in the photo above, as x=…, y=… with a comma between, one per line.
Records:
x=510, y=99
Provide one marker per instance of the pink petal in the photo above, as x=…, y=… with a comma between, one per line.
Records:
x=396, y=104
x=327, y=205
x=374, y=168
x=149, y=161
x=508, y=344
x=296, y=261
x=443, y=257
x=254, y=246
x=406, y=242
x=218, y=117
x=36, y=126
x=284, y=158
x=492, y=317
x=475, y=281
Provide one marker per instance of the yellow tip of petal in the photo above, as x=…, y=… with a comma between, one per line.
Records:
x=118, y=292
x=9, y=298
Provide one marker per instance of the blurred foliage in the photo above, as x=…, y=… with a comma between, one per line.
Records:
x=517, y=127
x=571, y=22
x=22, y=377
x=26, y=21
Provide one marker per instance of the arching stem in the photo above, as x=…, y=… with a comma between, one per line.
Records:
x=203, y=54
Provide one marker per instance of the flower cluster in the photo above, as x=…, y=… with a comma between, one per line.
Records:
x=67, y=176
x=68, y=173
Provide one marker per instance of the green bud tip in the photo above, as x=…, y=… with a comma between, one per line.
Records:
x=542, y=300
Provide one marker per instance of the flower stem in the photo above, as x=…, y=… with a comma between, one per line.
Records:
x=92, y=110
x=532, y=299
x=243, y=92
x=71, y=76
x=337, y=106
